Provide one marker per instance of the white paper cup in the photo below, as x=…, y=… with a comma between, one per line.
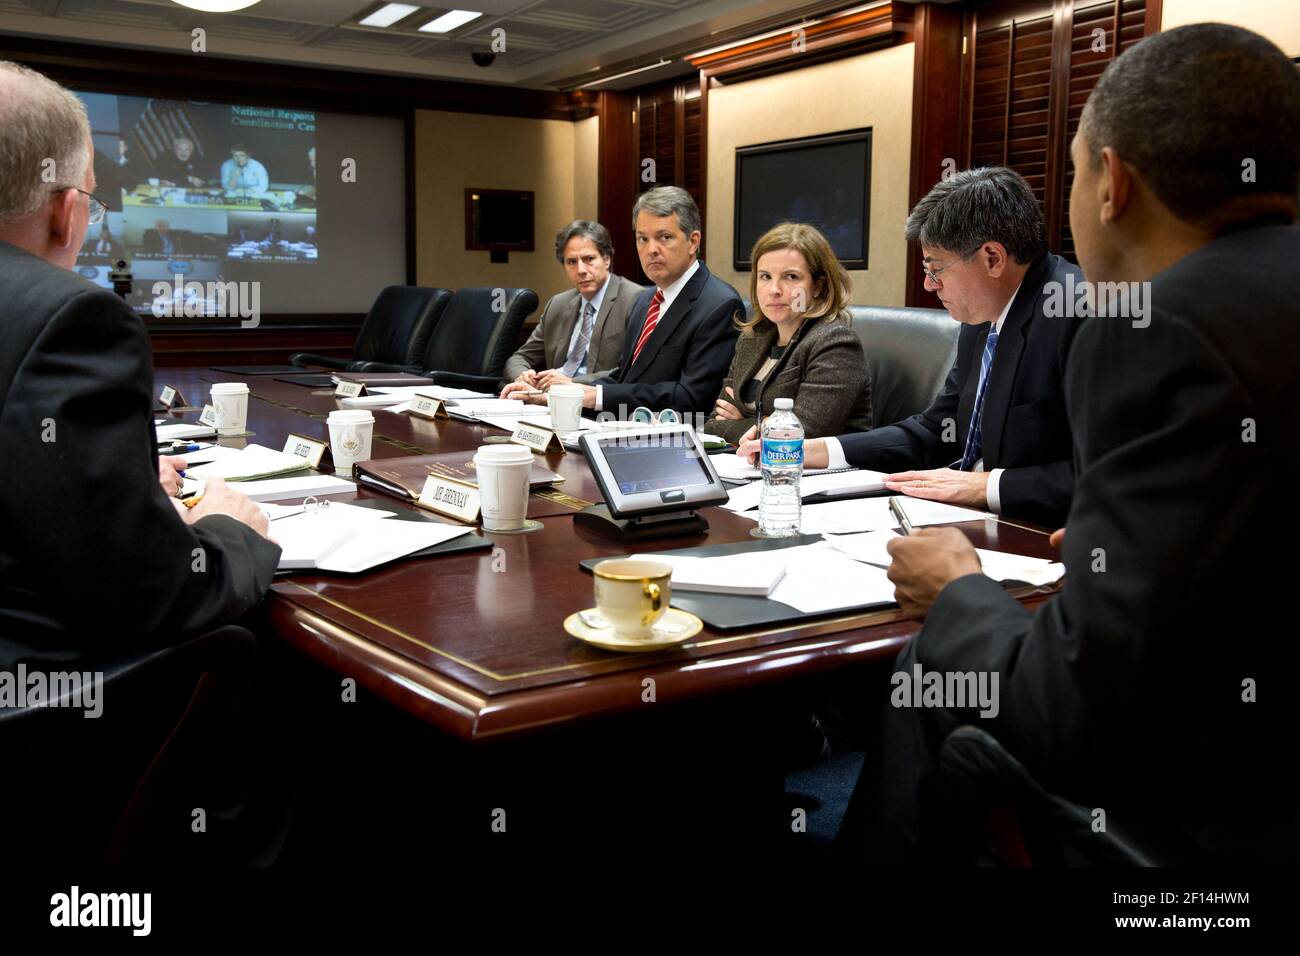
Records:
x=230, y=402
x=351, y=433
x=632, y=594
x=565, y=404
x=503, y=472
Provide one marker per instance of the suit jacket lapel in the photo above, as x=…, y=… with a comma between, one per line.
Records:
x=668, y=322
x=1006, y=360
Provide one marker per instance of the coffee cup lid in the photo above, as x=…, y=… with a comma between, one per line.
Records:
x=229, y=388
x=503, y=454
x=350, y=416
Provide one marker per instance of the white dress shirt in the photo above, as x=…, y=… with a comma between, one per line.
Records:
x=670, y=294
x=835, y=451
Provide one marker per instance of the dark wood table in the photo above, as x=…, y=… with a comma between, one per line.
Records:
x=473, y=642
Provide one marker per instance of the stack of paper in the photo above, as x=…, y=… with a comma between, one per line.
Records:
x=308, y=538
x=249, y=464
x=857, y=481
x=279, y=489
x=378, y=399
x=484, y=407
x=861, y=514
x=819, y=579
x=181, y=430
x=750, y=572
x=437, y=391
x=349, y=539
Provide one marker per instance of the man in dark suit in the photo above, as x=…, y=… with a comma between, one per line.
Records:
x=680, y=337
x=579, y=337
x=84, y=514
x=100, y=571
x=1156, y=686
x=996, y=436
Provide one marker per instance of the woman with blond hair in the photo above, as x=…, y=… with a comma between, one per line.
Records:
x=798, y=342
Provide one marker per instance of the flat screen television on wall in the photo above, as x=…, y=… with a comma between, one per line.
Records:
x=821, y=180
x=499, y=220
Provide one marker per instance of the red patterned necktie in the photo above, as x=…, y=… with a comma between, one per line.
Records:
x=651, y=320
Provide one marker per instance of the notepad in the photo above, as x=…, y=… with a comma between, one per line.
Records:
x=753, y=573
x=1005, y=567
x=279, y=489
x=250, y=463
x=182, y=430
x=308, y=538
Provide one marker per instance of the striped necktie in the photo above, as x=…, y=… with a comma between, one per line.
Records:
x=651, y=320
x=578, y=354
x=974, y=437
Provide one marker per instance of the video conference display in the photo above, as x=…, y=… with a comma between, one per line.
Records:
x=198, y=189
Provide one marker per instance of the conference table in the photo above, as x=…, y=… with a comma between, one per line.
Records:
x=473, y=643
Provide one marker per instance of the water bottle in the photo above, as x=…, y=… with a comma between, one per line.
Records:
x=781, y=460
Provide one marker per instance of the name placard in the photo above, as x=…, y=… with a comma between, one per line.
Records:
x=171, y=397
x=349, y=389
x=208, y=416
x=308, y=448
x=427, y=406
x=537, y=438
x=447, y=496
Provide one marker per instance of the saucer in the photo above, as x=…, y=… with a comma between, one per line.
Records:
x=675, y=627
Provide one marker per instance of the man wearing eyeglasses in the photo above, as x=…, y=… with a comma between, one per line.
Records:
x=88, y=527
x=996, y=437
x=100, y=570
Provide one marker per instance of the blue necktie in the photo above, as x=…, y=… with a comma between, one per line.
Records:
x=974, y=437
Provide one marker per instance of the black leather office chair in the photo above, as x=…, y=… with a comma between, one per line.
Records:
x=909, y=353
x=984, y=807
x=122, y=787
x=396, y=332
x=475, y=337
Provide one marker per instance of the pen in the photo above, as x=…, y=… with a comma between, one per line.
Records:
x=182, y=447
x=189, y=501
x=901, y=515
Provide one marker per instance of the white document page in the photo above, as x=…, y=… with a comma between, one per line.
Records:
x=750, y=572
x=379, y=541
x=819, y=578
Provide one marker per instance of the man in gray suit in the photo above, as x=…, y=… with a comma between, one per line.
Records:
x=580, y=334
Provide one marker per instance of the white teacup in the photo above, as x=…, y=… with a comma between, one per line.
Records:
x=503, y=472
x=565, y=404
x=230, y=402
x=352, y=432
x=632, y=594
